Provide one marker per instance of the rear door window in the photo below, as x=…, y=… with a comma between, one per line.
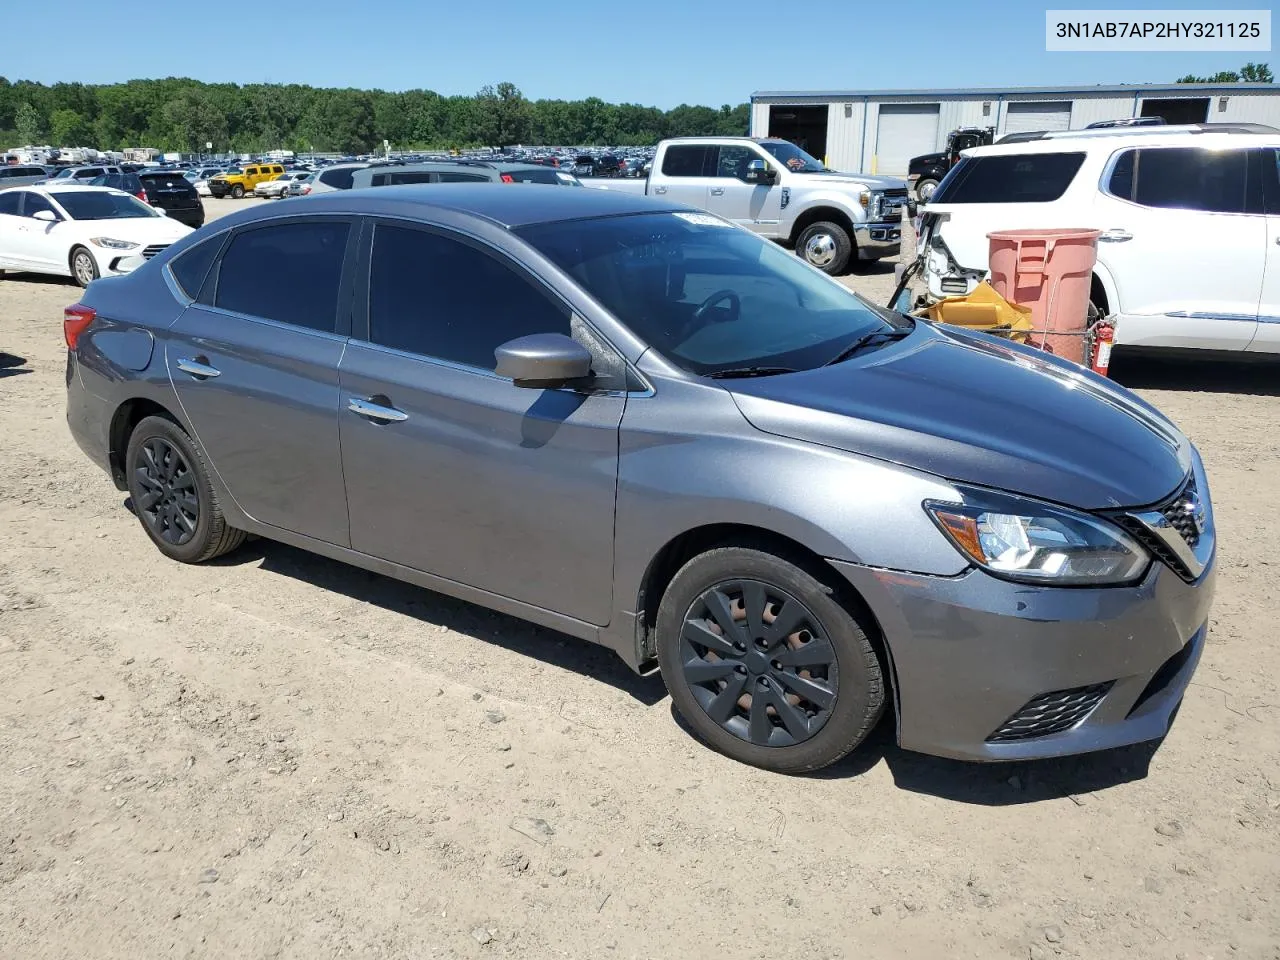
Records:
x=463, y=178
x=1010, y=178
x=1182, y=178
x=686, y=160
x=34, y=203
x=191, y=267
x=338, y=179
x=287, y=272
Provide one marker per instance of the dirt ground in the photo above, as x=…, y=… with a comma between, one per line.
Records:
x=280, y=756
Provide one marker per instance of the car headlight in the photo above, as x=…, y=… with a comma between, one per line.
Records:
x=1033, y=542
x=112, y=244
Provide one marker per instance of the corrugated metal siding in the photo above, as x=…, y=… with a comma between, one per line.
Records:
x=1246, y=108
x=1087, y=110
x=844, y=137
x=759, y=119
x=962, y=113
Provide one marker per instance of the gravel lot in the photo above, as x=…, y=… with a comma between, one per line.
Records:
x=279, y=756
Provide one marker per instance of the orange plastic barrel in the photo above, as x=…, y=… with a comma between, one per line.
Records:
x=1049, y=271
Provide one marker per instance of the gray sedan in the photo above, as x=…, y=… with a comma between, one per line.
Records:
x=641, y=425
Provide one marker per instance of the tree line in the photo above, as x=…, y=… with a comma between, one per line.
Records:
x=1249, y=73
x=183, y=115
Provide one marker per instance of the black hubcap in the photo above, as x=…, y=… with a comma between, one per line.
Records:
x=759, y=663
x=167, y=500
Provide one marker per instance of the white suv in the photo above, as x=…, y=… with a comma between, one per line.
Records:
x=1190, y=249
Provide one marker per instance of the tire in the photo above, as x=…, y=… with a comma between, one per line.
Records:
x=925, y=188
x=825, y=245
x=237, y=192
x=84, y=268
x=848, y=687
x=178, y=486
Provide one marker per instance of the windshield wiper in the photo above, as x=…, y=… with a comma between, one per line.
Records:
x=738, y=373
x=867, y=339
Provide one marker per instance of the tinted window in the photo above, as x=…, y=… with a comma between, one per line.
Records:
x=9, y=202
x=441, y=298
x=288, y=273
x=190, y=268
x=83, y=204
x=168, y=181
x=534, y=176
x=338, y=179
x=685, y=161
x=1019, y=178
x=34, y=203
x=732, y=161
x=1183, y=178
x=391, y=179
x=463, y=178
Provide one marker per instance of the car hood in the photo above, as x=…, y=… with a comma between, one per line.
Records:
x=143, y=230
x=927, y=160
x=862, y=179
x=976, y=409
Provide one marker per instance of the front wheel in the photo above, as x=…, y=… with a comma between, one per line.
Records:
x=826, y=246
x=764, y=663
x=83, y=266
x=172, y=496
x=925, y=188
x=237, y=192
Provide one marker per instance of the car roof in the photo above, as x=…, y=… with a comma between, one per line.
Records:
x=1115, y=138
x=61, y=187
x=507, y=207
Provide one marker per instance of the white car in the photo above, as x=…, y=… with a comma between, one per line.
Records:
x=1189, y=255
x=279, y=187
x=80, y=232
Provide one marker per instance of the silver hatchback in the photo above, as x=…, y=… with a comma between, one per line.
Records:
x=641, y=425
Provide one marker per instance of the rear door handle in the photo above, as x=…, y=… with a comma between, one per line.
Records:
x=198, y=368
x=659, y=189
x=717, y=191
x=1115, y=236
x=376, y=411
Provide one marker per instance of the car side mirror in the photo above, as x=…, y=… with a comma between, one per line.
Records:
x=542, y=360
x=48, y=216
x=759, y=172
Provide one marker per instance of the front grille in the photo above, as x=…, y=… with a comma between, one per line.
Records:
x=1050, y=713
x=1181, y=513
x=897, y=192
x=151, y=251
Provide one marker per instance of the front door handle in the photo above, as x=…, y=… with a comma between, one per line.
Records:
x=376, y=411
x=1115, y=236
x=717, y=191
x=659, y=189
x=199, y=368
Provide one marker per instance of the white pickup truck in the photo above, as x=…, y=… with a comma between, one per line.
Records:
x=775, y=189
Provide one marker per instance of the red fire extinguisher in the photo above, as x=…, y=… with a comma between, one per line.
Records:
x=1103, y=336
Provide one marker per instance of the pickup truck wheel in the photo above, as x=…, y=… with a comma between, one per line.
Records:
x=826, y=246
x=237, y=192
x=925, y=188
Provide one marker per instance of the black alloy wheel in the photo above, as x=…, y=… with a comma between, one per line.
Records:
x=766, y=657
x=169, y=505
x=759, y=663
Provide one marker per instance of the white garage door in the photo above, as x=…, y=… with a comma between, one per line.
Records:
x=1036, y=116
x=904, y=130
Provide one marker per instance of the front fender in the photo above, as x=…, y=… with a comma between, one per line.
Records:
x=809, y=198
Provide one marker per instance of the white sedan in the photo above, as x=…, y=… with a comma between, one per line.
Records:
x=80, y=232
x=279, y=187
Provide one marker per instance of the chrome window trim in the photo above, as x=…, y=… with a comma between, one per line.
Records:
x=1201, y=315
x=277, y=324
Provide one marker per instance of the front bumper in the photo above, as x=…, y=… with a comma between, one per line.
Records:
x=875, y=241
x=980, y=663
x=190, y=216
x=218, y=188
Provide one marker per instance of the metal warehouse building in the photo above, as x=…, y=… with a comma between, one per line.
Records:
x=879, y=131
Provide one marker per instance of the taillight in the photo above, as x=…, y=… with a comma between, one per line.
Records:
x=142, y=195
x=508, y=178
x=75, y=321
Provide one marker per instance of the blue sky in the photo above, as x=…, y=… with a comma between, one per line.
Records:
x=655, y=52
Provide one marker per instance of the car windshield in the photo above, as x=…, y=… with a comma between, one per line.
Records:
x=708, y=296
x=793, y=157
x=100, y=205
x=61, y=174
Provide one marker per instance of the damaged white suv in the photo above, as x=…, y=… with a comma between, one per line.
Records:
x=1189, y=254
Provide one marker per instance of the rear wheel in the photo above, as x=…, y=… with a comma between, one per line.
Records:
x=825, y=245
x=84, y=268
x=237, y=192
x=764, y=663
x=171, y=494
x=925, y=188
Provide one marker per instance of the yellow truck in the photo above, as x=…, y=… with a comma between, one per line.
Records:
x=236, y=183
